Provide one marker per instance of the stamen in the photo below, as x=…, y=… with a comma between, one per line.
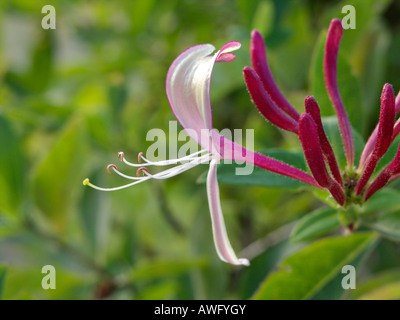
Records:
x=111, y=166
x=160, y=163
x=146, y=175
x=142, y=170
x=139, y=158
x=87, y=183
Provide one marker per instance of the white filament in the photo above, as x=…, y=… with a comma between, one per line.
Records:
x=161, y=163
x=193, y=160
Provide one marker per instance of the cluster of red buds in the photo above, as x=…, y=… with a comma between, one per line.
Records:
x=350, y=185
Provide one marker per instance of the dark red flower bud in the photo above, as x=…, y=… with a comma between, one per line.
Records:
x=313, y=110
x=264, y=103
x=391, y=170
x=334, y=36
x=384, y=135
x=260, y=65
x=308, y=135
x=369, y=146
x=396, y=129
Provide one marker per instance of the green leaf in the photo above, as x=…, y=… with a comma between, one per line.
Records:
x=349, y=86
x=264, y=17
x=162, y=291
x=163, y=268
x=261, y=177
x=94, y=218
x=384, y=200
x=58, y=177
x=3, y=272
x=387, y=224
x=12, y=164
x=315, y=224
x=304, y=274
x=375, y=284
x=42, y=60
x=390, y=291
x=334, y=290
x=369, y=58
x=262, y=265
x=141, y=12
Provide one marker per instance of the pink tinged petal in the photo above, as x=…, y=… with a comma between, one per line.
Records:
x=188, y=87
x=260, y=65
x=264, y=103
x=334, y=36
x=222, y=244
x=313, y=110
x=398, y=103
x=384, y=136
x=226, y=57
x=390, y=172
x=308, y=135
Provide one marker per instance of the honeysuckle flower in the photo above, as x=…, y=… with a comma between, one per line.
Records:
x=347, y=186
x=188, y=90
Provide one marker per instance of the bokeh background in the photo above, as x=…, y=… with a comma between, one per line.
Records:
x=72, y=98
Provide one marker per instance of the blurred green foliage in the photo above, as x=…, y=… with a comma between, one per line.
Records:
x=72, y=98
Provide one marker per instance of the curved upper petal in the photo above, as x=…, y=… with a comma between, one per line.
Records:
x=188, y=87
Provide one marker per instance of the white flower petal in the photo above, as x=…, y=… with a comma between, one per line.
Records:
x=188, y=87
x=221, y=241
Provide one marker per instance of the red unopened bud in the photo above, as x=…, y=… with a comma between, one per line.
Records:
x=260, y=65
x=313, y=110
x=369, y=146
x=386, y=120
x=334, y=36
x=308, y=135
x=264, y=103
x=391, y=170
x=396, y=129
x=384, y=135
